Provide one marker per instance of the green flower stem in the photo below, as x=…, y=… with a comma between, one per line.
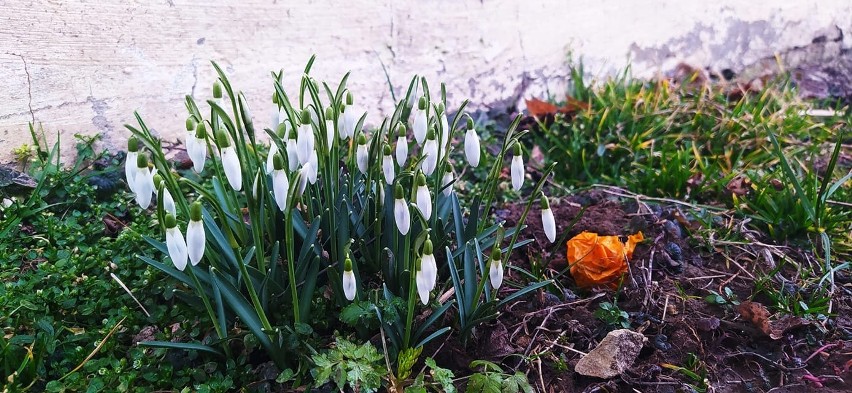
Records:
x=255, y=301
x=291, y=261
x=209, y=308
x=412, y=294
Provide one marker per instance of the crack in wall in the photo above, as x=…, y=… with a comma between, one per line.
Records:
x=29, y=85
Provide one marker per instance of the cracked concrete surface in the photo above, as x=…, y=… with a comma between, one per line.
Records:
x=83, y=68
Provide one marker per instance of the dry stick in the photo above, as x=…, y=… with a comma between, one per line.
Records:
x=114, y=277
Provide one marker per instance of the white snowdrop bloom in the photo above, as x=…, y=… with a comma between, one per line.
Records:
x=430, y=154
x=292, y=157
x=350, y=118
x=302, y=179
x=421, y=121
x=423, y=198
x=270, y=165
x=304, y=138
x=168, y=200
x=312, y=167
x=388, y=165
x=196, y=240
x=422, y=281
x=175, y=243
x=517, y=168
x=130, y=168
x=400, y=211
x=189, y=140
x=401, y=146
x=350, y=285
x=330, y=121
x=233, y=171
x=447, y=181
x=428, y=265
x=198, y=154
x=445, y=125
x=495, y=270
x=143, y=182
x=280, y=183
x=472, y=149
x=362, y=155
x=547, y=220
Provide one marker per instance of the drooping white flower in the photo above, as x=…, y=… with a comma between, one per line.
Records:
x=350, y=117
x=422, y=282
x=547, y=220
x=330, y=124
x=401, y=146
x=230, y=161
x=430, y=154
x=280, y=183
x=388, y=165
x=428, y=265
x=517, y=168
x=400, y=211
x=495, y=270
x=175, y=243
x=189, y=140
x=290, y=145
x=302, y=179
x=168, y=200
x=447, y=181
x=130, y=162
x=350, y=285
x=143, y=182
x=198, y=152
x=445, y=125
x=423, y=198
x=362, y=155
x=421, y=121
x=312, y=167
x=472, y=149
x=273, y=150
x=305, y=138
x=196, y=240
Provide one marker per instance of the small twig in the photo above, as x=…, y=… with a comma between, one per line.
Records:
x=118, y=280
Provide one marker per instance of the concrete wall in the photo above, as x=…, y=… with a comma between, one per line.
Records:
x=85, y=66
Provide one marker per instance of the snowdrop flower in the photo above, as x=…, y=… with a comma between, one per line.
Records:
x=422, y=197
x=401, y=145
x=304, y=138
x=312, y=167
x=428, y=265
x=495, y=270
x=421, y=121
x=517, y=168
x=189, y=140
x=230, y=161
x=281, y=131
x=290, y=145
x=350, y=119
x=447, y=180
x=217, y=93
x=280, y=183
x=164, y=194
x=388, y=165
x=175, y=243
x=196, y=240
x=547, y=220
x=430, y=154
x=471, y=144
x=362, y=155
x=302, y=179
x=130, y=162
x=330, y=124
x=349, y=283
x=143, y=182
x=422, y=281
x=445, y=125
x=198, y=154
x=400, y=211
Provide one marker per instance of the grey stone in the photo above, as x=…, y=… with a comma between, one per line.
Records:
x=615, y=354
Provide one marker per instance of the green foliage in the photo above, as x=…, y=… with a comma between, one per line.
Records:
x=613, y=316
x=358, y=366
x=729, y=298
x=492, y=379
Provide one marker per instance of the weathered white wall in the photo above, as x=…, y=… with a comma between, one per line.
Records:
x=85, y=66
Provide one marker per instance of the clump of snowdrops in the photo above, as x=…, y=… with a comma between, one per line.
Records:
x=332, y=213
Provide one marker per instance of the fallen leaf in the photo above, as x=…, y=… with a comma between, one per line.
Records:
x=541, y=109
x=757, y=314
x=739, y=185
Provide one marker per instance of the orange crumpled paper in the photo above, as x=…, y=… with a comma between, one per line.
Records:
x=599, y=260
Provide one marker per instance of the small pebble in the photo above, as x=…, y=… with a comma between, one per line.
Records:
x=674, y=251
x=661, y=342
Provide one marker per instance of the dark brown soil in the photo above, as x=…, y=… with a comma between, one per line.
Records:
x=728, y=349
